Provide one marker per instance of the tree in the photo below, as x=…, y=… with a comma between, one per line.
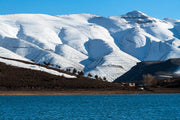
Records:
x=58, y=66
x=74, y=71
x=89, y=75
x=96, y=76
x=81, y=73
x=149, y=80
x=68, y=69
x=104, y=78
x=46, y=63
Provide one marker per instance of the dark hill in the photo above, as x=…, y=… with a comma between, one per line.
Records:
x=158, y=69
x=16, y=78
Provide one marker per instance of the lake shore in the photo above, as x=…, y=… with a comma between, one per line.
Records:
x=90, y=92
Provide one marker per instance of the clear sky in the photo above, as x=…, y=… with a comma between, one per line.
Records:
x=155, y=8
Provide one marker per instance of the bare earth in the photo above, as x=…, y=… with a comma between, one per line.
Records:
x=91, y=92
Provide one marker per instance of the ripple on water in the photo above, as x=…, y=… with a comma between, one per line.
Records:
x=90, y=107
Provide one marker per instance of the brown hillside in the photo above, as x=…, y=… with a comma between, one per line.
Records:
x=15, y=78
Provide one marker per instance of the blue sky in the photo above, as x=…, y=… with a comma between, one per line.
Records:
x=155, y=8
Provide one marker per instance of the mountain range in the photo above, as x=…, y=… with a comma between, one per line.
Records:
x=103, y=46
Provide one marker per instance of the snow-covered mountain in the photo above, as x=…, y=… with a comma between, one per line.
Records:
x=106, y=46
x=12, y=59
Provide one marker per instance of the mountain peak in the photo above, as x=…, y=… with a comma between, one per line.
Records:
x=135, y=14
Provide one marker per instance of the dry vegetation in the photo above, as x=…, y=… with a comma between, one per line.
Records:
x=15, y=78
x=150, y=81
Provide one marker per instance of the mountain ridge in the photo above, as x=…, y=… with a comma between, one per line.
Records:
x=106, y=46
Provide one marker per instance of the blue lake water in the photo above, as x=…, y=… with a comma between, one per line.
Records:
x=90, y=107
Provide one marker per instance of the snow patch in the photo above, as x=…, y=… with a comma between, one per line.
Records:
x=34, y=67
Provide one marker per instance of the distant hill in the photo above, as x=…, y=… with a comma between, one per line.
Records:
x=169, y=69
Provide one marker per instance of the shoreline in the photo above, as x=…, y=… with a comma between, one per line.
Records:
x=86, y=92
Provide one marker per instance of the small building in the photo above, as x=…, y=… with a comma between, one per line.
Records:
x=132, y=84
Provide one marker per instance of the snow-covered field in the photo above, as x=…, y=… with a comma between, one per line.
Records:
x=106, y=46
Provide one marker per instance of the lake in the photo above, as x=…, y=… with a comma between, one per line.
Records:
x=90, y=107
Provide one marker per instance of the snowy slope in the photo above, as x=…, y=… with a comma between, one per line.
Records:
x=106, y=46
x=34, y=67
x=142, y=36
x=8, y=54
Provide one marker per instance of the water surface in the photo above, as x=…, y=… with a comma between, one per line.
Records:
x=90, y=107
